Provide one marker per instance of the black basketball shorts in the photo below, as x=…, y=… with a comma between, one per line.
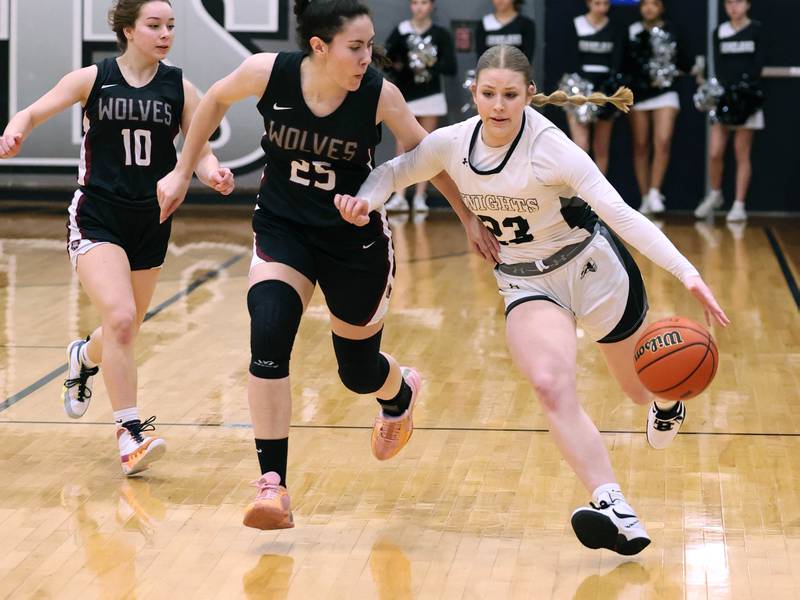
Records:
x=354, y=266
x=136, y=230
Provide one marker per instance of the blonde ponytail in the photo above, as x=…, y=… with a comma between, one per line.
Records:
x=622, y=99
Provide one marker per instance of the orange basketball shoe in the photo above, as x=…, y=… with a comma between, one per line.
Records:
x=391, y=434
x=138, y=452
x=272, y=508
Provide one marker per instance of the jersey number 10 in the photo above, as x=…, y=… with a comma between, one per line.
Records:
x=140, y=152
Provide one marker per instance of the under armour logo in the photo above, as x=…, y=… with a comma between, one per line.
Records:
x=589, y=267
x=464, y=161
x=513, y=286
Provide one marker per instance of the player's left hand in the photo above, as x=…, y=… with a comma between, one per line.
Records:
x=698, y=288
x=482, y=240
x=222, y=181
x=353, y=210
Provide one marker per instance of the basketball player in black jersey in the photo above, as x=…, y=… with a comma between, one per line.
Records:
x=322, y=108
x=133, y=107
x=739, y=53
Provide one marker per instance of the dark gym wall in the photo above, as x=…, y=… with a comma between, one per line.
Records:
x=774, y=157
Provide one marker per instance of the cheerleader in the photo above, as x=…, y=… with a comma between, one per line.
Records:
x=597, y=57
x=506, y=26
x=738, y=60
x=657, y=102
x=420, y=53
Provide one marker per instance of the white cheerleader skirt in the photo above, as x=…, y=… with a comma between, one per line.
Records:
x=665, y=100
x=429, y=106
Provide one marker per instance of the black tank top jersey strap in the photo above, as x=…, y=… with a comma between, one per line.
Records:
x=129, y=142
x=310, y=159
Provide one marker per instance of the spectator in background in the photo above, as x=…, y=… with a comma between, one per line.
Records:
x=506, y=26
x=651, y=72
x=597, y=57
x=738, y=59
x=420, y=53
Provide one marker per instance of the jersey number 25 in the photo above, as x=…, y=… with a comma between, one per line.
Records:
x=324, y=176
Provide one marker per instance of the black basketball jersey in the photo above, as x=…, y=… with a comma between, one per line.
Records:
x=597, y=52
x=310, y=159
x=129, y=140
x=738, y=53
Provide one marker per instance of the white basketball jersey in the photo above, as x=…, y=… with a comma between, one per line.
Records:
x=536, y=195
x=531, y=218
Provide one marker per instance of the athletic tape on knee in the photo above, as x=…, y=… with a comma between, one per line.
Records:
x=275, y=310
x=362, y=368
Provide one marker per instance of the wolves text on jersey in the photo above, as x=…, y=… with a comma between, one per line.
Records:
x=505, y=203
x=292, y=139
x=127, y=109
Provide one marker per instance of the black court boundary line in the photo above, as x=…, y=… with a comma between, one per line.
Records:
x=42, y=381
x=369, y=428
x=784, y=265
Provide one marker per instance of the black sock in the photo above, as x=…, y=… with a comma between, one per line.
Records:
x=272, y=456
x=399, y=404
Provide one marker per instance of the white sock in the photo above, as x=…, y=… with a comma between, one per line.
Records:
x=716, y=193
x=739, y=202
x=666, y=406
x=126, y=414
x=83, y=356
x=612, y=489
x=654, y=191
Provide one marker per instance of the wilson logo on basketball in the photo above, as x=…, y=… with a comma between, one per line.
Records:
x=655, y=343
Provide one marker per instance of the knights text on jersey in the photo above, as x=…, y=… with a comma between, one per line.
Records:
x=310, y=159
x=129, y=140
x=531, y=220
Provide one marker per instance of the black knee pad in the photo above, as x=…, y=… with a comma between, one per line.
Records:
x=275, y=311
x=362, y=368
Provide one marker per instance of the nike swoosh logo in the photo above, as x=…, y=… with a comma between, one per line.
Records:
x=365, y=246
x=108, y=85
x=276, y=107
x=623, y=515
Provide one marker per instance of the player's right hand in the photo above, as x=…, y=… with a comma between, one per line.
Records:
x=10, y=145
x=353, y=210
x=171, y=191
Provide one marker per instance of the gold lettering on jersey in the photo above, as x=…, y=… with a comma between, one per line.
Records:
x=293, y=139
x=478, y=202
x=128, y=109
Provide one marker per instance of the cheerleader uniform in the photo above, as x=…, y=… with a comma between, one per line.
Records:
x=425, y=99
x=738, y=54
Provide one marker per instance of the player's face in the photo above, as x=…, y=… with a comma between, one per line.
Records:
x=350, y=52
x=501, y=96
x=153, y=32
x=503, y=5
x=421, y=9
x=737, y=9
x=651, y=9
x=599, y=8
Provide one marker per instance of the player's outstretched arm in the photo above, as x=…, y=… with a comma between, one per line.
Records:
x=73, y=87
x=249, y=79
x=208, y=169
x=424, y=163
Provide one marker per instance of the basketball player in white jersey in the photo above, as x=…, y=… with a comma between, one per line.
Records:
x=133, y=106
x=553, y=212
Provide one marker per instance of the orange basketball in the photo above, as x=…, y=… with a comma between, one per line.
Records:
x=676, y=358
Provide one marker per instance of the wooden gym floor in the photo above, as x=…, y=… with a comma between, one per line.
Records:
x=478, y=504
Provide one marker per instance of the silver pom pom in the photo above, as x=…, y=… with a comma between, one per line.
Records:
x=422, y=55
x=469, y=80
x=707, y=96
x=573, y=84
x=661, y=65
